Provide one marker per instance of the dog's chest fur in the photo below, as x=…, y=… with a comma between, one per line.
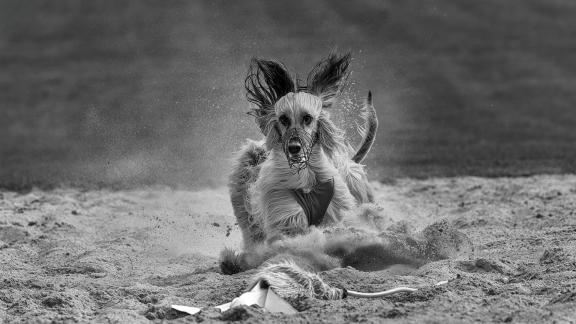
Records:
x=276, y=175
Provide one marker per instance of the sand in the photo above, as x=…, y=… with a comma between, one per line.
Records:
x=125, y=256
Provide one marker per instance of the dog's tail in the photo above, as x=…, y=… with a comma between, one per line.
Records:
x=369, y=129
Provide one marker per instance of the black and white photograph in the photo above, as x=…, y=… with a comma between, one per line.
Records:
x=211, y=161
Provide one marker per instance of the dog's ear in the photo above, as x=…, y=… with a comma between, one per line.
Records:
x=267, y=81
x=329, y=136
x=328, y=77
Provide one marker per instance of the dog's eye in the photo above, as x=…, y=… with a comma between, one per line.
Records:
x=307, y=119
x=284, y=120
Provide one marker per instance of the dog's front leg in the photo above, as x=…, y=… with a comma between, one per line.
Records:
x=342, y=204
x=283, y=216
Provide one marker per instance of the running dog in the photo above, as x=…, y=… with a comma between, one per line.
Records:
x=304, y=174
x=301, y=196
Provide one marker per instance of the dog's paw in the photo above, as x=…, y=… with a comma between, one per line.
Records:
x=230, y=262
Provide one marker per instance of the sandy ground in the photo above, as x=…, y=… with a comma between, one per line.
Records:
x=124, y=256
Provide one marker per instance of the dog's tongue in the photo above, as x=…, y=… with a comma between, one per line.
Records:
x=316, y=202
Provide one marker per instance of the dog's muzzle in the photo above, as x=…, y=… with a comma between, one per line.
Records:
x=297, y=145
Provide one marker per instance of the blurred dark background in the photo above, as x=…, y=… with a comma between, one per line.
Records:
x=127, y=93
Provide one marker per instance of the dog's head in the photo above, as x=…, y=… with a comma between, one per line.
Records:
x=293, y=115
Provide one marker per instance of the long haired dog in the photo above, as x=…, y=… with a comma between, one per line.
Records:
x=303, y=174
x=301, y=196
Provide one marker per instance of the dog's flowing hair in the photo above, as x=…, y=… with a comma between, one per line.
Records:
x=302, y=149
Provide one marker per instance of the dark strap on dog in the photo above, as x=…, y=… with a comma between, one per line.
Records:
x=316, y=202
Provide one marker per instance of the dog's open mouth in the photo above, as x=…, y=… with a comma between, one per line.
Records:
x=297, y=147
x=298, y=162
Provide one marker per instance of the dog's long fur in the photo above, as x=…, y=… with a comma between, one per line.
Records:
x=267, y=198
x=262, y=183
x=275, y=228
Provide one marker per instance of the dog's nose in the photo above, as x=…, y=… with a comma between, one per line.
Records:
x=294, y=148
